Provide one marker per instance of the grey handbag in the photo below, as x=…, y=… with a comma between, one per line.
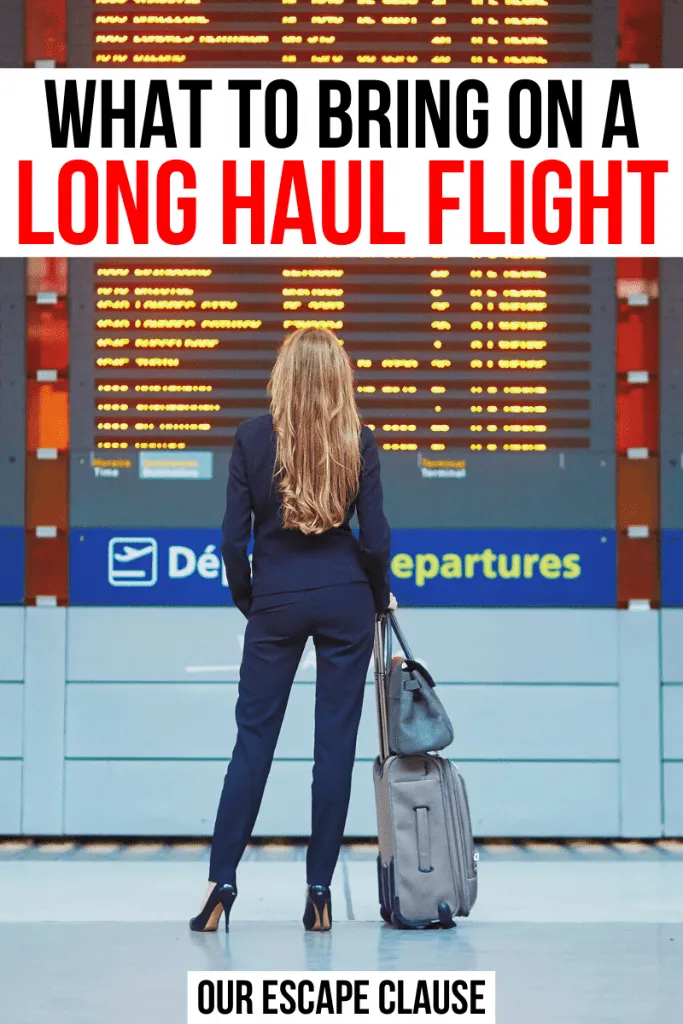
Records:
x=416, y=719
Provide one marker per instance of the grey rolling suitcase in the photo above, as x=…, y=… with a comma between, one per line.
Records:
x=427, y=865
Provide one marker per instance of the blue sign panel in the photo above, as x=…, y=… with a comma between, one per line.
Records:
x=429, y=568
x=147, y=567
x=11, y=565
x=672, y=568
x=505, y=568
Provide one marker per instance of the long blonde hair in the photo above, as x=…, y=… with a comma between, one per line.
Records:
x=317, y=427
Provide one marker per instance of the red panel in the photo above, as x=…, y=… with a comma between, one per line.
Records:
x=640, y=32
x=638, y=492
x=638, y=570
x=639, y=266
x=47, y=492
x=638, y=333
x=47, y=337
x=637, y=412
x=47, y=415
x=45, y=30
x=47, y=274
x=638, y=497
x=47, y=567
x=47, y=348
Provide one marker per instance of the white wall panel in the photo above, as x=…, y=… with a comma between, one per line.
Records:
x=44, y=700
x=180, y=798
x=543, y=799
x=478, y=645
x=11, y=643
x=459, y=645
x=149, y=722
x=11, y=719
x=673, y=798
x=10, y=797
x=672, y=722
x=640, y=724
x=197, y=721
x=672, y=645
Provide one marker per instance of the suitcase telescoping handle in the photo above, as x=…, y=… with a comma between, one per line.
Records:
x=382, y=653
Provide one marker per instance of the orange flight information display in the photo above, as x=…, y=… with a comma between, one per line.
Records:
x=506, y=355
x=344, y=33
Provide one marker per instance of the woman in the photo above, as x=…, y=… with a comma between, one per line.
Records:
x=301, y=472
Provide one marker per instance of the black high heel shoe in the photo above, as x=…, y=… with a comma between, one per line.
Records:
x=220, y=900
x=318, y=910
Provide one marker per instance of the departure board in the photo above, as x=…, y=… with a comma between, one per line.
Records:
x=489, y=384
x=343, y=33
x=480, y=355
x=11, y=34
x=671, y=432
x=12, y=428
x=12, y=390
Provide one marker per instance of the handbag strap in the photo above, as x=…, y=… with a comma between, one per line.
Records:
x=410, y=662
x=399, y=636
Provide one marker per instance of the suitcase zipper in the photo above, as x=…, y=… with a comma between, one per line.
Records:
x=448, y=816
x=469, y=853
x=461, y=841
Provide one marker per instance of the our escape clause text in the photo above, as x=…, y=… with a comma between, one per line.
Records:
x=298, y=995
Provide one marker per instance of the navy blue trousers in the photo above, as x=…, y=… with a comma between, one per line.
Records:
x=341, y=621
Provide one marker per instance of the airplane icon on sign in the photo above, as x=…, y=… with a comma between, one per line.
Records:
x=129, y=553
x=132, y=562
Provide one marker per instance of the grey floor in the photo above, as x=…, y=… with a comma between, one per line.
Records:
x=577, y=933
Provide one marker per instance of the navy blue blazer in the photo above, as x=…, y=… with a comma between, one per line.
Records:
x=286, y=560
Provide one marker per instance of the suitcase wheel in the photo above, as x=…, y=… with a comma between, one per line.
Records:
x=445, y=916
x=385, y=915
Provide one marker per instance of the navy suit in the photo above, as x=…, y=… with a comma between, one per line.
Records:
x=286, y=560
x=327, y=586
